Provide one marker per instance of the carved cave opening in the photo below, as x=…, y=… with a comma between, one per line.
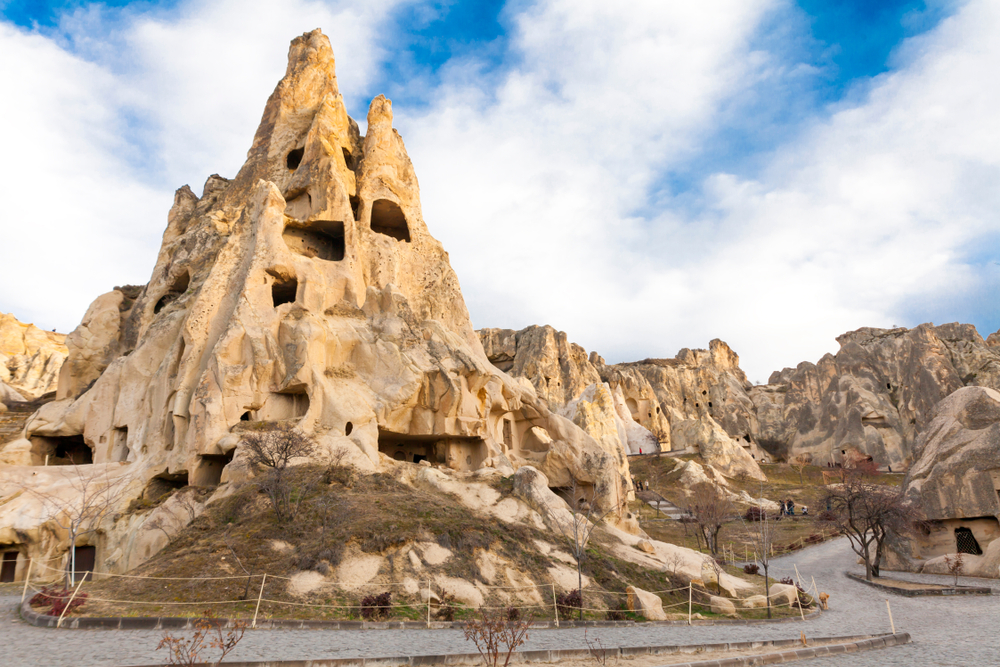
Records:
x=294, y=158
x=61, y=450
x=283, y=291
x=966, y=542
x=208, y=470
x=348, y=428
x=281, y=406
x=323, y=239
x=119, y=444
x=461, y=453
x=176, y=290
x=388, y=219
x=356, y=206
x=85, y=561
x=9, y=567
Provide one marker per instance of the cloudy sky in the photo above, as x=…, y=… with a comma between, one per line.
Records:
x=644, y=176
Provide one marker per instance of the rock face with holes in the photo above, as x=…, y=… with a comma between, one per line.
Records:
x=875, y=396
x=955, y=480
x=696, y=402
x=306, y=289
x=30, y=359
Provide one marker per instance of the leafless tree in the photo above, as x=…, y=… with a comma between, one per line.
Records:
x=248, y=568
x=587, y=515
x=95, y=495
x=799, y=464
x=955, y=565
x=868, y=512
x=497, y=634
x=759, y=531
x=269, y=449
x=711, y=510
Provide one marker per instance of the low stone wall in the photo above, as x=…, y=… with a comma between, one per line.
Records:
x=912, y=593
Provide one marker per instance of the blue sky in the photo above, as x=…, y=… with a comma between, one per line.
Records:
x=768, y=172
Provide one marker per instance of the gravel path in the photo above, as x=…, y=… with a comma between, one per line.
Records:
x=945, y=630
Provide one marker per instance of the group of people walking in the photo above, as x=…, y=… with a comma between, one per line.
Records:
x=788, y=508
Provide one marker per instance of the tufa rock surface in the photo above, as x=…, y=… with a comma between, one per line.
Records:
x=307, y=289
x=30, y=360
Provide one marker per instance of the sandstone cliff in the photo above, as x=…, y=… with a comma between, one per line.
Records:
x=307, y=289
x=955, y=480
x=696, y=402
x=875, y=396
x=30, y=359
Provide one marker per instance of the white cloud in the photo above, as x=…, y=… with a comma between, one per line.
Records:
x=545, y=181
x=111, y=112
x=870, y=208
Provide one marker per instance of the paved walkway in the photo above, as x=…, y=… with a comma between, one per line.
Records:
x=945, y=630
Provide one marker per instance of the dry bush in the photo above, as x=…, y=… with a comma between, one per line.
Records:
x=496, y=635
x=209, y=633
x=269, y=449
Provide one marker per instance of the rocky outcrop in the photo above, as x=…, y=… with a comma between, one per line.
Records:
x=558, y=369
x=874, y=397
x=696, y=402
x=955, y=480
x=308, y=290
x=30, y=359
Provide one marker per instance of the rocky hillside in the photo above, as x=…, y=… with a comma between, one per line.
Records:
x=30, y=360
x=872, y=398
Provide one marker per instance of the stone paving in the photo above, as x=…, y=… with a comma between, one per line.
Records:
x=945, y=630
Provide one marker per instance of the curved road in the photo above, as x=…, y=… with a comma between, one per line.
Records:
x=945, y=630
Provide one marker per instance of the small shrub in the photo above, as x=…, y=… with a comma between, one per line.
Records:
x=619, y=614
x=751, y=568
x=787, y=580
x=376, y=606
x=57, y=599
x=513, y=614
x=754, y=514
x=569, y=603
x=208, y=634
x=446, y=612
x=496, y=636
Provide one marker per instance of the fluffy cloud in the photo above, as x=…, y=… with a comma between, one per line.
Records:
x=549, y=180
x=559, y=180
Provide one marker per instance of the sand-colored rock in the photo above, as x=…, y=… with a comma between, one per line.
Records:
x=875, y=396
x=307, y=289
x=722, y=606
x=955, y=481
x=646, y=604
x=754, y=602
x=30, y=359
x=783, y=594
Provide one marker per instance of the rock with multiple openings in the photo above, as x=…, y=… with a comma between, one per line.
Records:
x=307, y=289
x=874, y=397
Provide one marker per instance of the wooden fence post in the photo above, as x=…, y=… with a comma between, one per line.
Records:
x=428, y=603
x=555, y=605
x=689, y=603
x=891, y=624
x=259, y=596
x=77, y=590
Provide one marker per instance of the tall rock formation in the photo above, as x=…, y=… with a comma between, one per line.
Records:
x=30, y=359
x=955, y=481
x=875, y=396
x=307, y=289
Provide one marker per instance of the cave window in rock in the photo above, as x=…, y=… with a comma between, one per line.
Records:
x=966, y=543
x=710, y=404
x=746, y=437
x=174, y=292
x=208, y=470
x=356, y=206
x=348, y=428
x=388, y=218
x=460, y=453
x=633, y=408
x=61, y=450
x=245, y=417
x=289, y=404
x=9, y=567
x=508, y=433
x=119, y=444
x=283, y=291
x=696, y=405
x=322, y=239
x=294, y=158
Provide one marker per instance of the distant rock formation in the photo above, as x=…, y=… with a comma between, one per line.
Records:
x=30, y=359
x=955, y=480
x=875, y=396
x=695, y=402
x=308, y=289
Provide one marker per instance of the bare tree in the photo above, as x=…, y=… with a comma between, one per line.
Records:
x=711, y=510
x=95, y=495
x=759, y=531
x=799, y=464
x=868, y=512
x=269, y=449
x=587, y=515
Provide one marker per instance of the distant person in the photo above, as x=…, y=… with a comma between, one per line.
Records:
x=790, y=506
x=805, y=511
